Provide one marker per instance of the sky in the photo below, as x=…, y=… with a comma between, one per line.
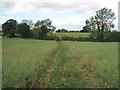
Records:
x=68, y=14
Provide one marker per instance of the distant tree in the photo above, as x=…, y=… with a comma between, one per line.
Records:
x=47, y=23
x=24, y=30
x=58, y=30
x=115, y=36
x=101, y=22
x=44, y=27
x=75, y=31
x=64, y=30
x=10, y=28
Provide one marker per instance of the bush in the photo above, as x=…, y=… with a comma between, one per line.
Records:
x=107, y=36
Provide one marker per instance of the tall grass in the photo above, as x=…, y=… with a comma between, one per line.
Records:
x=23, y=59
x=67, y=64
x=63, y=73
x=98, y=62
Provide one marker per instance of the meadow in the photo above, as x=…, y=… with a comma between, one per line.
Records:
x=66, y=64
x=73, y=34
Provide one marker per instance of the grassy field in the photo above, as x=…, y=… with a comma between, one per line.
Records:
x=98, y=62
x=23, y=60
x=82, y=35
x=37, y=63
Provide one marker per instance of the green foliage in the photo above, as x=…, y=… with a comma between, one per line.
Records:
x=100, y=27
x=61, y=30
x=24, y=30
x=9, y=28
x=106, y=36
x=35, y=33
x=44, y=27
x=85, y=29
x=100, y=23
x=43, y=32
x=47, y=23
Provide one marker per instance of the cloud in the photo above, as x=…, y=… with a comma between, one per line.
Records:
x=85, y=8
x=119, y=16
x=72, y=23
x=48, y=6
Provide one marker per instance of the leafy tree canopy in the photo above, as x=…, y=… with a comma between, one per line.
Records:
x=9, y=28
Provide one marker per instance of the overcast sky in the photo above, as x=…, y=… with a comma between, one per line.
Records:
x=68, y=14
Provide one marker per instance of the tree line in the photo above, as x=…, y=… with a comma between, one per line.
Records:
x=27, y=29
x=65, y=30
x=100, y=26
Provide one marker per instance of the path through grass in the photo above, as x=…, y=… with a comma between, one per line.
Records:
x=89, y=70
x=42, y=64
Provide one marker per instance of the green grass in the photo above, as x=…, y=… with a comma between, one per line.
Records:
x=97, y=61
x=23, y=59
x=0, y=33
x=67, y=64
x=82, y=35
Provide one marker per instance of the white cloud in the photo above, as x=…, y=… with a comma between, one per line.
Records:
x=75, y=22
x=46, y=6
x=85, y=7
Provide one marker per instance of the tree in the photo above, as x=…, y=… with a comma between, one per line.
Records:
x=58, y=30
x=62, y=30
x=44, y=27
x=101, y=22
x=24, y=30
x=43, y=32
x=47, y=23
x=10, y=28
